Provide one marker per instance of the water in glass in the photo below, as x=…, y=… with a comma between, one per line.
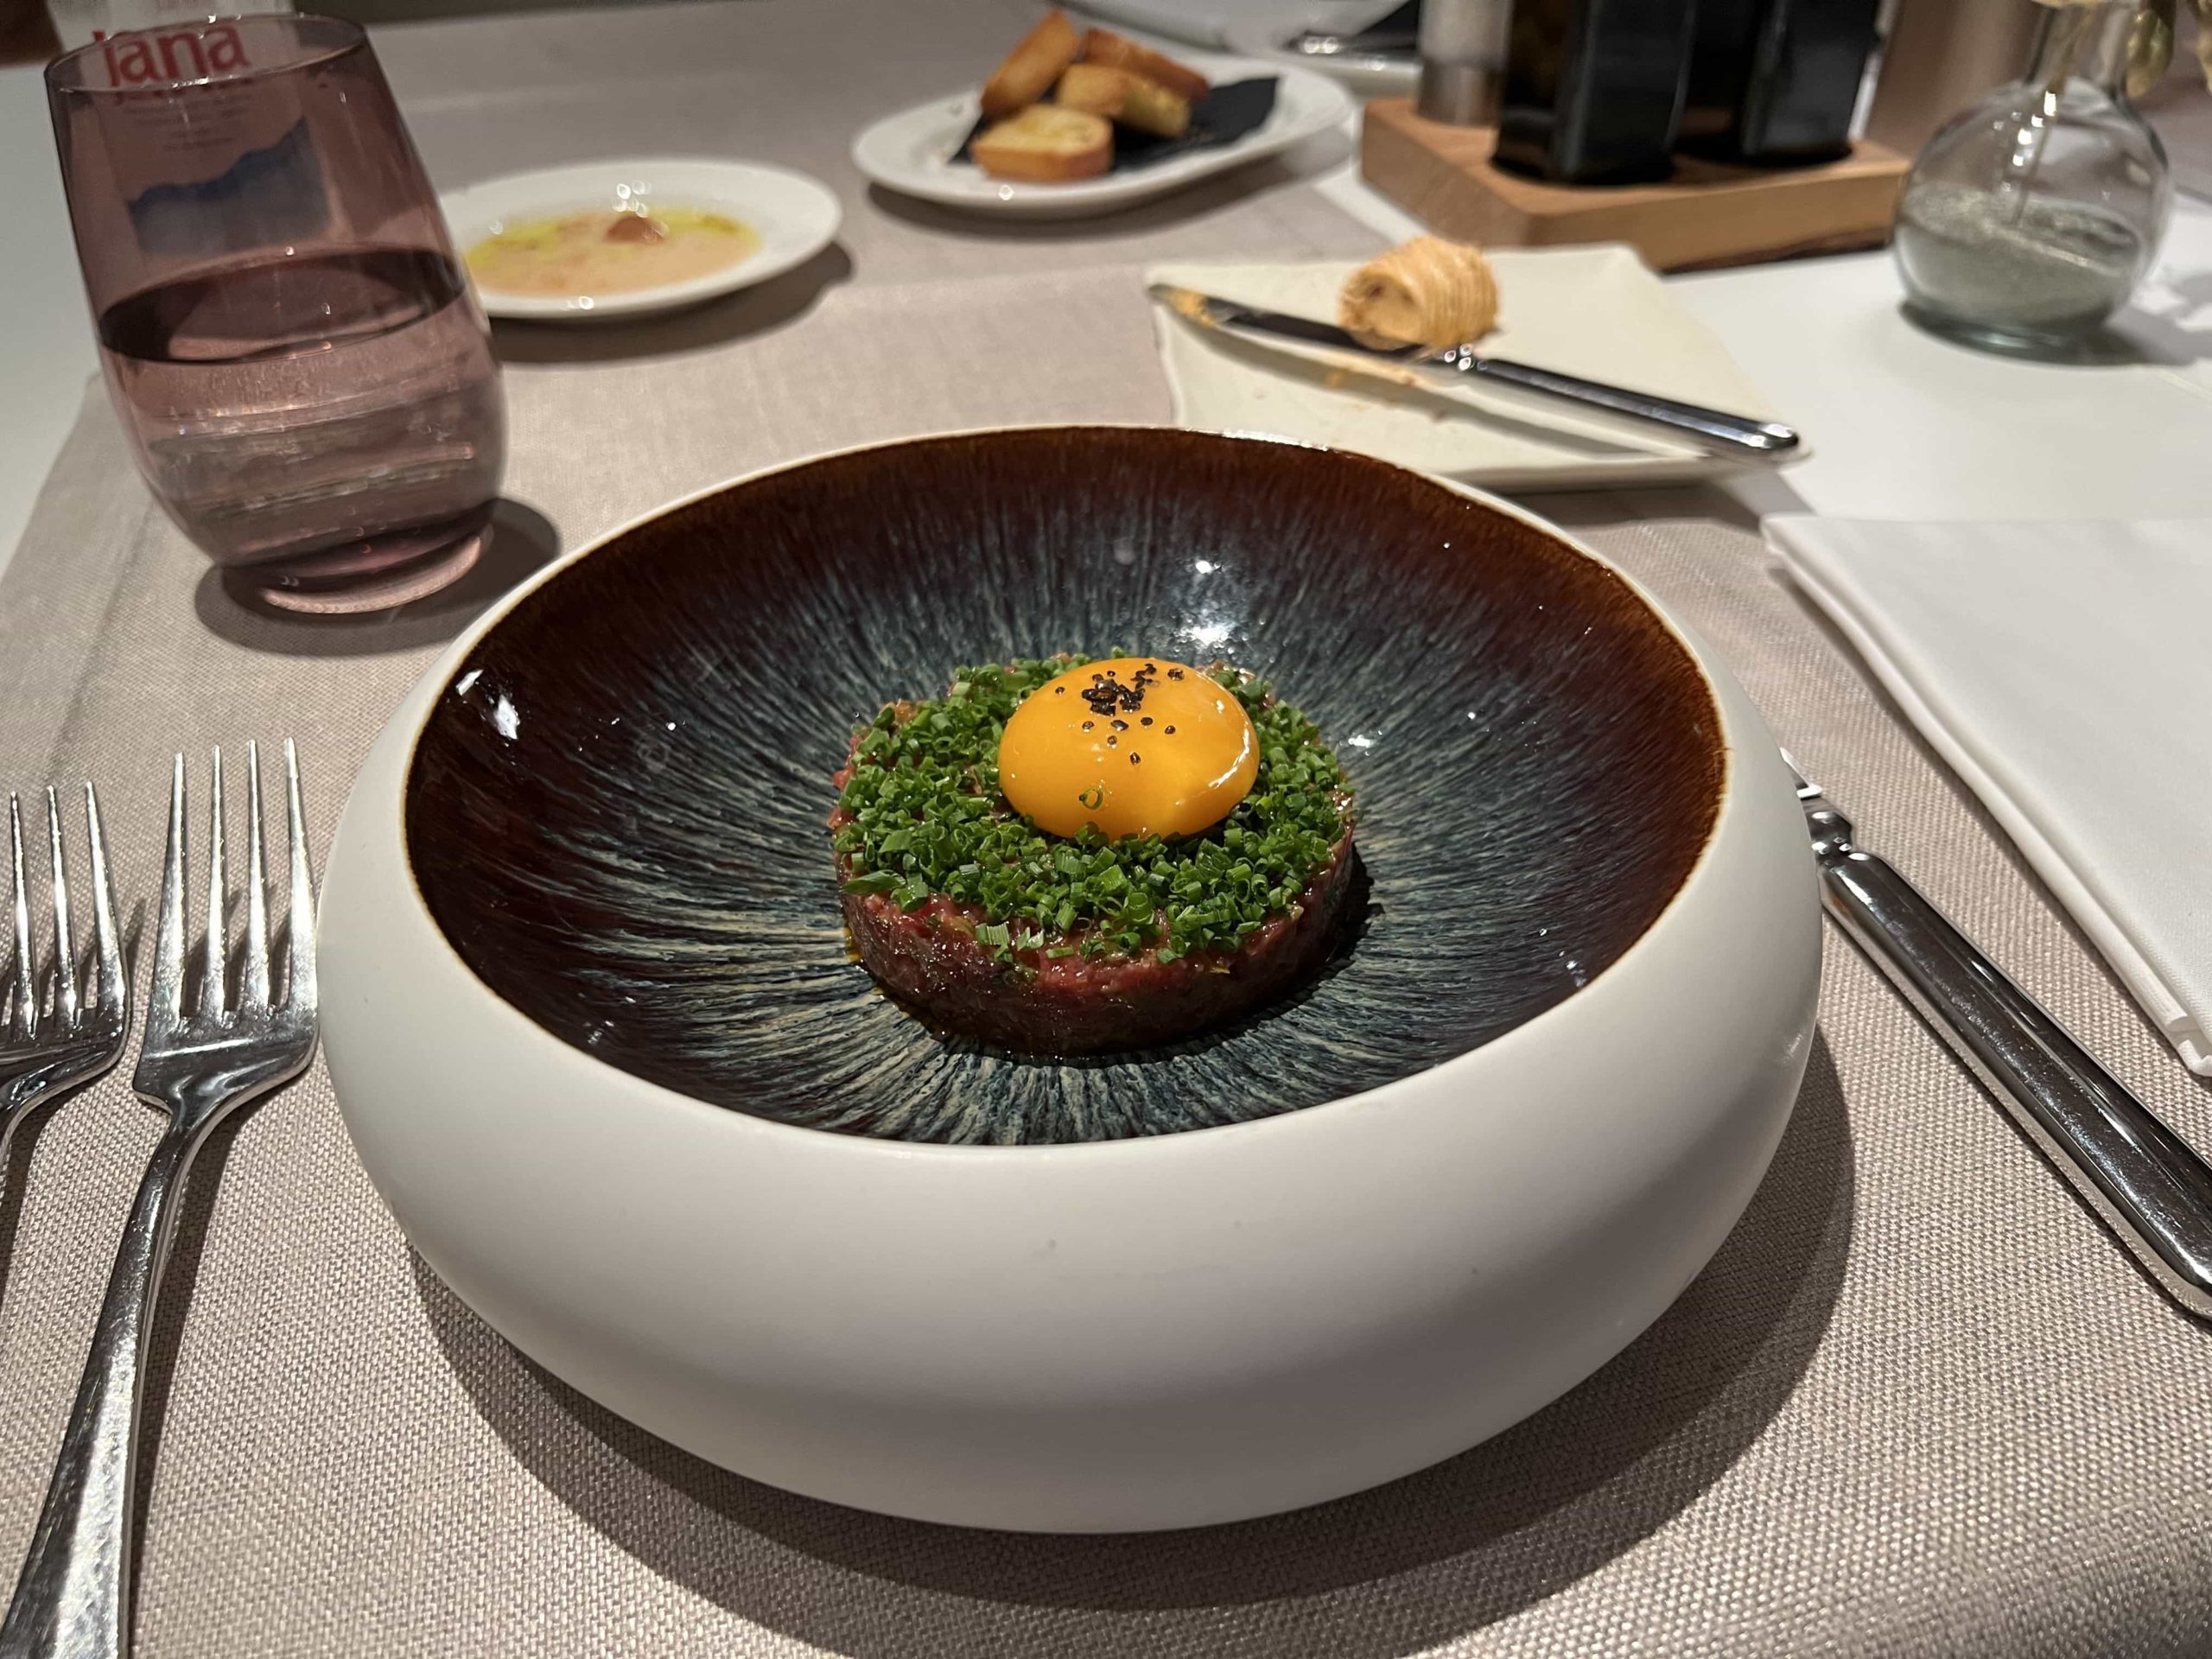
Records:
x=338, y=402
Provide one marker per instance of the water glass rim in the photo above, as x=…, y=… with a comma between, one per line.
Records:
x=345, y=36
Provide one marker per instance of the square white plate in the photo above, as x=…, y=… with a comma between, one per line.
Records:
x=1598, y=312
x=912, y=152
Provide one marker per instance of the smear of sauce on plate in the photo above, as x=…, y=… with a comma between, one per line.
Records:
x=609, y=252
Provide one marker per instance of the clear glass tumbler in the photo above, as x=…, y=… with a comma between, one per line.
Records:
x=307, y=381
x=2028, y=220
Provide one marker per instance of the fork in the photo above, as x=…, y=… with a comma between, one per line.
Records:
x=73, y=1598
x=45, y=1050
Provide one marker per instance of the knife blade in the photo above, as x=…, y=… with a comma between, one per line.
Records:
x=2146, y=1184
x=1741, y=437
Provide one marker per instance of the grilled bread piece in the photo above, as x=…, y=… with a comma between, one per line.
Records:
x=1121, y=95
x=1045, y=144
x=1118, y=52
x=1031, y=68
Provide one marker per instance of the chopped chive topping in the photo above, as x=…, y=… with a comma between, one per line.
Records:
x=921, y=817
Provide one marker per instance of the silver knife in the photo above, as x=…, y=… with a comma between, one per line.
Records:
x=1397, y=44
x=1396, y=34
x=1316, y=43
x=1737, y=435
x=2145, y=1182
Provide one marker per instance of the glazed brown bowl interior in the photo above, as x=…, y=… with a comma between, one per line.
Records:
x=615, y=810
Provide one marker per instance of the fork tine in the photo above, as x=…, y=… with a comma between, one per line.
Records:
x=212, y=998
x=168, y=948
x=256, y=995
x=111, y=991
x=300, y=992
x=22, y=1012
x=64, y=948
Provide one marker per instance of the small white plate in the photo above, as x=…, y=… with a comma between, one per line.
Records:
x=795, y=216
x=912, y=152
x=1598, y=312
x=1365, y=74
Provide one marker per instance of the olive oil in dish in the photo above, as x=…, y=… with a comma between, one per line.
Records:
x=609, y=252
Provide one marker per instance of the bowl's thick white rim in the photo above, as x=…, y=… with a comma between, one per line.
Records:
x=416, y=710
x=455, y=205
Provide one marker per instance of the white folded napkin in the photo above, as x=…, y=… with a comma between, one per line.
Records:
x=2064, y=672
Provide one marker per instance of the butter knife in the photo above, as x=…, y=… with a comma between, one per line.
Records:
x=1739, y=435
x=1396, y=34
x=2145, y=1182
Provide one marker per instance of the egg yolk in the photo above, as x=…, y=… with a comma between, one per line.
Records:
x=1138, y=746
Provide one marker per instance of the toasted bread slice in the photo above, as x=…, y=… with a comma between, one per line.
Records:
x=1121, y=95
x=1093, y=86
x=1031, y=68
x=1046, y=144
x=1118, y=52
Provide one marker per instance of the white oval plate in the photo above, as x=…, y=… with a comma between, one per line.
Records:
x=795, y=215
x=912, y=152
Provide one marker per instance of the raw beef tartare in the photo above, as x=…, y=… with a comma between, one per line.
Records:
x=1062, y=856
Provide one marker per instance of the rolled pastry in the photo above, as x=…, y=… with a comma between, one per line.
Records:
x=1432, y=291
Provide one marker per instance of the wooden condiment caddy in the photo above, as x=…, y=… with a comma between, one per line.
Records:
x=1707, y=214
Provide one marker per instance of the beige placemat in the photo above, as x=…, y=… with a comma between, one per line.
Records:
x=793, y=81
x=1918, y=1405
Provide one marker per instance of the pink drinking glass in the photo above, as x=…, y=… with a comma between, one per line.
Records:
x=307, y=380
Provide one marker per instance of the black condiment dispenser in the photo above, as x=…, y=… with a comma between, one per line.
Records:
x=1594, y=89
x=1774, y=82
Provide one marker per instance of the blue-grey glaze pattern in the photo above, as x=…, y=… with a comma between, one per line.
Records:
x=615, y=811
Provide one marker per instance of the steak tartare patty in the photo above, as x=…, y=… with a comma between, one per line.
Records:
x=990, y=928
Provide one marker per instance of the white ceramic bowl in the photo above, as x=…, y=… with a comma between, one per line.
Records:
x=795, y=215
x=1196, y=1328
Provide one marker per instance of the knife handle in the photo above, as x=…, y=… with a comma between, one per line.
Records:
x=1766, y=440
x=2146, y=1183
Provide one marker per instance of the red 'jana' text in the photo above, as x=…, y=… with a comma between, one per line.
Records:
x=181, y=55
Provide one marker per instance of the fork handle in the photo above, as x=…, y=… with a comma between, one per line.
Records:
x=73, y=1598
x=2144, y=1181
